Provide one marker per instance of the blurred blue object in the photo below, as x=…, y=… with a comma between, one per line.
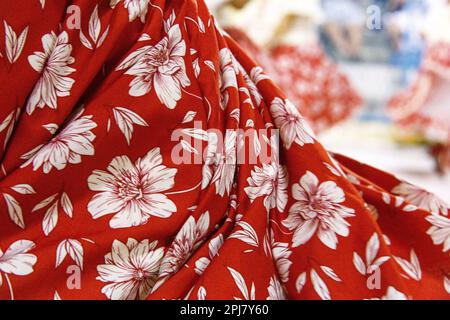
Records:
x=409, y=19
x=408, y=58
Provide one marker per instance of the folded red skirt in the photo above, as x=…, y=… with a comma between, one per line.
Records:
x=124, y=127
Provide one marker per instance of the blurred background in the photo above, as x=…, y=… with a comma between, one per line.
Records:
x=378, y=71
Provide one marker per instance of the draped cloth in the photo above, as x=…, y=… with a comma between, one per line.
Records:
x=95, y=203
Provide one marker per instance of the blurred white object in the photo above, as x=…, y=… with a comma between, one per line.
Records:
x=213, y=5
x=371, y=143
x=364, y=76
x=437, y=24
x=306, y=8
x=305, y=29
x=409, y=20
x=261, y=18
x=344, y=12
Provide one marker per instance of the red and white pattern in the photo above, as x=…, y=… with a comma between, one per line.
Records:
x=322, y=94
x=89, y=183
x=319, y=90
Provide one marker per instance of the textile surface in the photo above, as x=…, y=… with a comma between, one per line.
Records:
x=95, y=204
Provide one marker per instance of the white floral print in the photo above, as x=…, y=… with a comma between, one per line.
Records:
x=421, y=198
x=131, y=269
x=247, y=292
x=212, y=156
x=72, y=247
x=186, y=242
x=126, y=119
x=136, y=8
x=281, y=254
x=269, y=181
x=132, y=192
x=99, y=190
x=73, y=142
x=411, y=267
x=17, y=261
x=96, y=38
x=440, y=231
x=293, y=127
x=14, y=45
x=276, y=291
x=161, y=66
x=53, y=64
x=229, y=69
x=224, y=163
x=318, y=210
x=372, y=262
x=214, y=246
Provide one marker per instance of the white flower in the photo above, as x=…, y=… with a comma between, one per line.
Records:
x=251, y=86
x=229, y=69
x=211, y=159
x=269, y=181
x=392, y=294
x=53, y=64
x=276, y=291
x=421, y=198
x=132, y=192
x=440, y=230
x=228, y=75
x=293, y=127
x=224, y=172
x=74, y=141
x=257, y=75
x=136, y=8
x=16, y=260
x=161, y=66
x=281, y=254
x=318, y=209
x=186, y=242
x=220, y=162
x=131, y=270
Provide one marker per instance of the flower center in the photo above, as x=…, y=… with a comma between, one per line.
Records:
x=130, y=188
x=292, y=118
x=160, y=57
x=139, y=274
x=317, y=207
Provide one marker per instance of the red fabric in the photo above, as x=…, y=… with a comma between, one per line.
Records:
x=91, y=193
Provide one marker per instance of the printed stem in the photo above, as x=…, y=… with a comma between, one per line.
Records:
x=195, y=22
x=8, y=281
x=185, y=191
x=159, y=8
x=201, y=99
x=276, y=223
x=191, y=94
